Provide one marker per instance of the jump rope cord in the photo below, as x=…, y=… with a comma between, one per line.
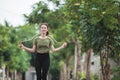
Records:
x=31, y=38
x=50, y=37
x=54, y=40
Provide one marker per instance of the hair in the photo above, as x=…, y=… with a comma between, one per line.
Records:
x=47, y=27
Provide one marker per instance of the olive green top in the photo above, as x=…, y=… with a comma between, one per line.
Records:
x=43, y=45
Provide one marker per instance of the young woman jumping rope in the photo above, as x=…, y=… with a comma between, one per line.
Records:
x=42, y=45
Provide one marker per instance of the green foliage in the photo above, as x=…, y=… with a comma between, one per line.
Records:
x=116, y=69
x=1, y=61
x=73, y=17
x=27, y=34
x=41, y=13
x=54, y=68
x=116, y=78
x=3, y=38
x=3, y=43
x=10, y=54
x=95, y=77
x=81, y=76
x=100, y=25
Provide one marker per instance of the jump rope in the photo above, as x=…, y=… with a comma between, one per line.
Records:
x=49, y=36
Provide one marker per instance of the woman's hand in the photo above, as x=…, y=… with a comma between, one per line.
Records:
x=64, y=44
x=21, y=45
x=27, y=48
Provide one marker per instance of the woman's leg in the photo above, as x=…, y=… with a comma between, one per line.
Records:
x=38, y=72
x=38, y=67
x=45, y=66
x=45, y=69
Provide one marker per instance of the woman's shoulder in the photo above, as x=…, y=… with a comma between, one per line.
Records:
x=49, y=38
x=36, y=38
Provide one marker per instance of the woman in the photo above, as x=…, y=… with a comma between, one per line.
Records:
x=42, y=46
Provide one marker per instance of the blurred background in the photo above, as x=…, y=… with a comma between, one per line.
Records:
x=90, y=27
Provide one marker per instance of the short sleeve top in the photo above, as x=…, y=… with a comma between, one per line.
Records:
x=43, y=45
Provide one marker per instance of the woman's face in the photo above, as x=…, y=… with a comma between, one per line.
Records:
x=43, y=29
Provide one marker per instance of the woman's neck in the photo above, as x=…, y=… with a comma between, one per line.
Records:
x=43, y=36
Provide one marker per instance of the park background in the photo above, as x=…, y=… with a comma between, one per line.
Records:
x=90, y=27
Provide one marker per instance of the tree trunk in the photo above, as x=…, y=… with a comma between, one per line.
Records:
x=79, y=57
x=68, y=67
x=88, y=64
x=77, y=63
x=15, y=75
x=7, y=73
x=12, y=76
x=63, y=72
x=3, y=73
x=105, y=66
x=19, y=76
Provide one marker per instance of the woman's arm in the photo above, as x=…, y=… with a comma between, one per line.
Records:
x=28, y=49
x=59, y=48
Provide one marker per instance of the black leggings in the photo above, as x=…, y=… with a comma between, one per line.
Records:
x=42, y=63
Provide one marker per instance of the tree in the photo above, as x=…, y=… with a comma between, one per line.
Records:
x=3, y=42
x=73, y=18
x=101, y=29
